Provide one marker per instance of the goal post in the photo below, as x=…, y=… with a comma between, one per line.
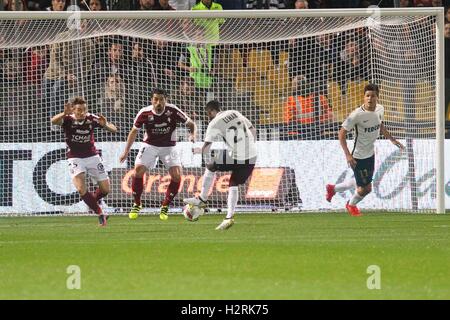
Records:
x=296, y=74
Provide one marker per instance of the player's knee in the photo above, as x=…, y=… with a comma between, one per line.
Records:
x=364, y=191
x=105, y=190
x=81, y=190
x=139, y=171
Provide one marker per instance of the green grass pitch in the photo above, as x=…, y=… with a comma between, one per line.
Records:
x=263, y=256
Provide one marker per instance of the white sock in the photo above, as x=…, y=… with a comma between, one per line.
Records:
x=355, y=199
x=233, y=196
x=346, y=185
x=208, y=178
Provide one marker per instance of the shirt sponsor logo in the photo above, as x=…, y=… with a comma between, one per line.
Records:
x=81, y=139
x=372, y=129
x=161, y=130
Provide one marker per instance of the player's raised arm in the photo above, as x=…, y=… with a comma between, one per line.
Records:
x=130, y=140
x=59, y=118
x=106, y=125
x=387, y=135
x=343, y=141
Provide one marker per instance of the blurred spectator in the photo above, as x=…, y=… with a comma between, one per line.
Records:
x=14, y=93
x=232, y=4
x=266, y=4
x=162, y=5
x=309, y=63
x=197, y=61
x=123, y=5
x=10, y=5
x=303, y=115
x=34, y=5
x=349, y=63
x=405, y=3
x=112, y=64
x=147, y=4
x=185, y=97
x=113, y=102
x=94, y=5
x=36, y=65
x=57, y=5
x=144, y=76
x=317, y=4
x=301, y=4
x=422, y=3
x=211, y=26
x=183, y=4
x=365, y=3
x=68, y=70
x=436, y=3
x=164, y=59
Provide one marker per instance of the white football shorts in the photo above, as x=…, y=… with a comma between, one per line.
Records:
x=148, y=155
x=92, y=166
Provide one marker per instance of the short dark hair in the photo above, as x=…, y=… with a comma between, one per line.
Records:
x=77, y=100
x=213, y=105
x=159, y=91
x=371, y=87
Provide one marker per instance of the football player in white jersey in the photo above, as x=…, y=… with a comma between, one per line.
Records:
x=239, y=135
x=367, y=121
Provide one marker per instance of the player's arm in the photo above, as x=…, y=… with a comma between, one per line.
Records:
x=253, y=131
x=183, y=63
x=192, y=130
x=130, y=140
x=59, y=118
x=250, y=127
x=343, y=141
x=206, y=146
x=106, y=125
x=387, y=135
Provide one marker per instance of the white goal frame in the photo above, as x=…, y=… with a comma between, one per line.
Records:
x=438, y=13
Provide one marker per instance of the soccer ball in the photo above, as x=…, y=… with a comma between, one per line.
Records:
x=191, y=212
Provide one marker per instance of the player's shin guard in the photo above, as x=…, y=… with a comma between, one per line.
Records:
x=89, y=199
x=171, y=192
x=233, y=197
x=208, y=178
x=137, y=185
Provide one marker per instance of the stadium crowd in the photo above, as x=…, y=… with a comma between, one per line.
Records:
x=117, y=73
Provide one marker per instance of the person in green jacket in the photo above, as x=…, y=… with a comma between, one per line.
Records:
x=212, y=26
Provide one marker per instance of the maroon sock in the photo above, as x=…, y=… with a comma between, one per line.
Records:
x=137, y=185
x=171, y=192
x=99, y=194
x=91, y=202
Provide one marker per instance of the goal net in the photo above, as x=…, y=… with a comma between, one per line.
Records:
x=295, y=75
